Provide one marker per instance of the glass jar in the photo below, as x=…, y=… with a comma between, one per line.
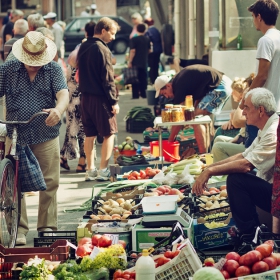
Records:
x=166, y=115
x=169, y=106
x=189, y=114
x=182, y=118
x=189, y=101
x=176, y=114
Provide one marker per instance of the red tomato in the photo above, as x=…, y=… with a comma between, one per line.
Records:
x=104, y=241
x=176, y=253
x=242, y=271
x=265, y=250
x=276, y=256
x=251, y=257
x=225, y=274
x=272, y=263
x=169, y=254
x=94, y=239
x=230, y=266
x=259, y=267
x=126, y=276
x=85, y=240
x=269, y=242
x=118, y=273
x=83, y=250
x=233, y=256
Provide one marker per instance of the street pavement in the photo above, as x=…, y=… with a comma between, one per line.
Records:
x=73, y=190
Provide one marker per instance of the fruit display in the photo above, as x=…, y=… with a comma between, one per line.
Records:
x=113, y=209
x=164, y=190
x=260, y=260
x=127, y=145
x=148, y=173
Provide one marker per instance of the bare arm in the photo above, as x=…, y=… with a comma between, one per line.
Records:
x=8, y=37
x=61, y=105
x=234, y=164
x=238, y=120
x=132, y=53
x=261, y=77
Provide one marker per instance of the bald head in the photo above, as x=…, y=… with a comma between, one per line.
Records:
x=20, y=27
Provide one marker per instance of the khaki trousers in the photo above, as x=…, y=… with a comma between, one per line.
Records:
x=47, y=154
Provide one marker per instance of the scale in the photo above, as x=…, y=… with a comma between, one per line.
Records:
x=167, y=220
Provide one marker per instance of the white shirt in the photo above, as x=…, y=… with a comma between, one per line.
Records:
x=269, y=49
x=85, y=14
x=262, y=151
x=58, y=34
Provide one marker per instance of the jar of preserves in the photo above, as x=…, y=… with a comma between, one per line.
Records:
x=166, y=115
x=189, y=114
x=176, y=114
x=169, y=106
x=182, y=111
x=189, y=101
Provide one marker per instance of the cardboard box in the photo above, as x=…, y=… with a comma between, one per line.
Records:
x=144, y=238
x=205, y=238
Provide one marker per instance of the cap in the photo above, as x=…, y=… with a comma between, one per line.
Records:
x=160, y=82
x=93, y=6
x=50, y=15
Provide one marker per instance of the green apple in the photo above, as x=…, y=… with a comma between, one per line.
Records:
x=126, y=148
x=124, y=143
x=120, y=147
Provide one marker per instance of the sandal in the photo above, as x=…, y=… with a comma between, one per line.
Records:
x=83, y=166
x=64, y=164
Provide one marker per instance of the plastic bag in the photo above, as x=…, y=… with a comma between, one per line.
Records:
x=170, y=178
x=158, y=178
x=185, y=177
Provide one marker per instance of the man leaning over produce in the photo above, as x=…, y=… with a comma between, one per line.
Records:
x=246, y=191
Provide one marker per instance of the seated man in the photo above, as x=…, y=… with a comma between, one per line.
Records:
x=210, y=89
x=246, y=191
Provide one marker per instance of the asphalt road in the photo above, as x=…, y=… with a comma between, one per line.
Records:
x=73, y=190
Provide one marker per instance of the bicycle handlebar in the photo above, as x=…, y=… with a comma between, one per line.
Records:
x=25, y=122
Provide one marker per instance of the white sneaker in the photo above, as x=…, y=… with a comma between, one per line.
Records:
x=91, y=175
x=41, y=234
x=103, y=175
x=21, y=239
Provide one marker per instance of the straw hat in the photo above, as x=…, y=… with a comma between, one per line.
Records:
x=34, y=49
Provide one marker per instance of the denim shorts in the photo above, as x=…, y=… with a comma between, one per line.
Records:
x=215, y=100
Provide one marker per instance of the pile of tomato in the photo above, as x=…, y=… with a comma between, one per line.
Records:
x=148, y=173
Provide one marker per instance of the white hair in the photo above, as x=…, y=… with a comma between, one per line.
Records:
x=20, y=27
x=35, y=21
x=263, y=97
x=137, y=16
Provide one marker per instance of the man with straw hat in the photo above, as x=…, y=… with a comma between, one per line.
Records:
x=34, y=83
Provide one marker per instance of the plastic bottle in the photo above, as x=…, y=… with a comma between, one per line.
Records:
x=145, y=267
x=239, y=42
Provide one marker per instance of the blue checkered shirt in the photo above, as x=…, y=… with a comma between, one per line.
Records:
x=25, y=98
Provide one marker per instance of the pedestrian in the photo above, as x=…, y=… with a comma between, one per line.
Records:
x=8, y=30
x=209, y=88
x=246, y=191
x=140, y=47
x=56, y=29
x=35, y=21
x=265, y=13
x=34, y=83
x=86, y=12
x=74, y=126
x=136, y=18
x=4, y=22
x=20, y=29
x=99, y=103
x=94, y=12
x=153, y=59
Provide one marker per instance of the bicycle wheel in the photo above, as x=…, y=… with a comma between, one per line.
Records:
x=9, y=204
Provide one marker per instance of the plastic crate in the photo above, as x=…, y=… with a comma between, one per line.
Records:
x=58, y=251
x=135, y=126
x=181, y=267
x=47, y=238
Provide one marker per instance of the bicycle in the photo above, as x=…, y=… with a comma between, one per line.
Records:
x=10, y=199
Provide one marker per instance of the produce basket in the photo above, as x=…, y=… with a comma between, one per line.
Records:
x=47, y=238
x=58, y=251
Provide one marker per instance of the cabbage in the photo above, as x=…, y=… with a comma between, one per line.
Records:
x=208, y=273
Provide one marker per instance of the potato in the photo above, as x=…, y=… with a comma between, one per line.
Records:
x=116, y=217
x=107, y=217
x=94, y=217
x=124, y=216
x=214, y=198
x=107, y=208
x=120, y=200
x=202, y=205
x=223, y=204
x=118, y=195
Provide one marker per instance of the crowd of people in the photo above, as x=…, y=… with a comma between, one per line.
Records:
x=32, y=80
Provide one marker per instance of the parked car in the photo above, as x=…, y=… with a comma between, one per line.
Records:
x=75, y=32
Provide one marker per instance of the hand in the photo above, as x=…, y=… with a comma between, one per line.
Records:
x=54, y=116
x=116, y=109
x=200, y=183
x=228, y=125
x=129, y=65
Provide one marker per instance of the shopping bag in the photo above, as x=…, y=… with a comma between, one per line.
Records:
x=130, y=75
x=29, y=171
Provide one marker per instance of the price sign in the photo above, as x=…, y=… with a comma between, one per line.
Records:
x=113, y=237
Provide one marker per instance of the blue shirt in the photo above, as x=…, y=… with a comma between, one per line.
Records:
x=25, y=98
x=155, y=38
